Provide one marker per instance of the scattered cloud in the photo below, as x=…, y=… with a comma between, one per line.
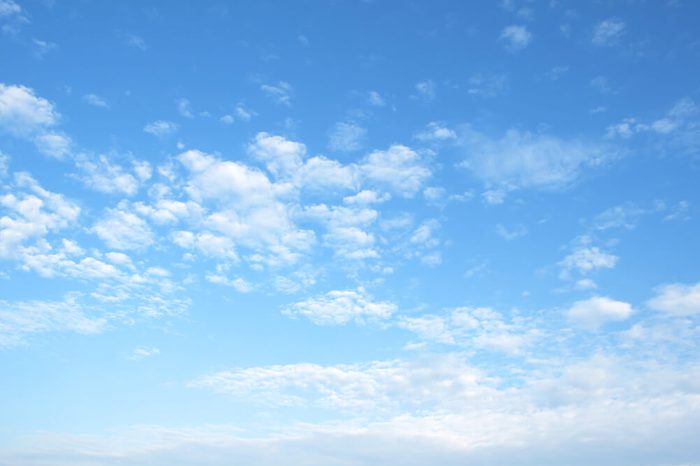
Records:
x=525, y=160
x=340, y=307
x=435, y=131
x=347, y=137
x=280, y=93
x=161, y=128
x=608, y=32
x=95, y=100
x=594, y=312
x=426, y=90
x=516, y=37
x=677, y=299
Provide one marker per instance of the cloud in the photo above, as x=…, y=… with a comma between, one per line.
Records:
x=31, y=212
x=95, y=100
x=282, y=157
x=9, y=8
x=347, y=137
x=142, y=352
x=480, y=327
x=184, y=108
x=435, y=131
x=4, y=164
x=594, y=312
x=22, y=112
x=239, y=284
x=19, y=319
x=608, y=32
x=584, y=259
x=124, y=230
x=280, y=93
x=677, y=299
x=104, y=176
x=245, y=206
x=516, y=37
x=398, y=168
x=375, y=98
x=426, y=90
x=512, y=233
x=160, y=128
x=487, y=85
x=135, y=41
x=341, y=307
x=525, y=160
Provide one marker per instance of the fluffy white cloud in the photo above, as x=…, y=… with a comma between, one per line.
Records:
x=608, y=32
x=426, y=90
x=516, y=37
x=481, y=328
x=95, y=100
x=436, y=132
x=280, y=93
x=677, y=299
x=594, y=312
x=160, y=128
x=20, y=319
x=341, y=307
x=102, y=175
x=281, y=156
x=26, y=115
x=9, y=8
x=585, y=259
x=398, y=168
x=122, y=229
x=23, y=113
x=525, y=160
x=31, y=212
x=347, y=137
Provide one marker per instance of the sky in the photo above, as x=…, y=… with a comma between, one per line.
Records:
x=349, y=233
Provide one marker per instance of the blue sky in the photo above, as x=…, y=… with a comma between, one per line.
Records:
x=349, y=233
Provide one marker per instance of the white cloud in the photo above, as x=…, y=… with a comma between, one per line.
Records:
x=347, y=229
x=366, y=197
x=341, y=307
x=526, y=160
x=9, y=8
x=585, y=259
x=347, y=137
x=436, y=132
x=517, y=37
x=4, y=164
x=512, y=233
x=184, y=108
x=53, y=144
x=135, y=41
x=239, y=284
x=22, y=112
x=142, y=352
x=280, y=93
x=31, y=214
x=487, y=85
x=426, y=90
x=19, y=319
x=375, y=98
x=160, y=128
x=399, y=168
x=123, y=229
x=95, y=100
x=281, y=156
x=104, y=176
x=481, y=328
x=608, y=32
x=594, y=312
x=677, y=299
x=42, y=47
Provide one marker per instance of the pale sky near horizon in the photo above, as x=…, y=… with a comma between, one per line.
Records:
x=350, y=233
